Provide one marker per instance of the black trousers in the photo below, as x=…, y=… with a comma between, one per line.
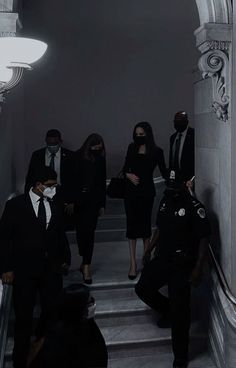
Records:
x=25, y=289
x=159, y=272
x=86, y=217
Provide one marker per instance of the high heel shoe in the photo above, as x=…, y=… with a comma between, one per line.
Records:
x=132, y=276
x=87, y=280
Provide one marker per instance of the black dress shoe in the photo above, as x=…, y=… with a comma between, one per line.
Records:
x=180, y=363
x=132, y=277
x=87, y=281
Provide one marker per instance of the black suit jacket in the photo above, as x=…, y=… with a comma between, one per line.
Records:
x=89, y=180
x=38, y=160
x=187, y=157
x=25, y=246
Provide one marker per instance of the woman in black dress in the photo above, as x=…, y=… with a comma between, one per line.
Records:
x=142, y=157
x=89, y=196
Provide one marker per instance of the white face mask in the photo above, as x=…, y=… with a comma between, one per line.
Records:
x=53, y=149
x=49, y=192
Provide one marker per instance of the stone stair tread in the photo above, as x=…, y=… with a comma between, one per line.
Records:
x=133, y=334
x=159, y=360
x=118, y=300
x=138, y=329
x=114, y=266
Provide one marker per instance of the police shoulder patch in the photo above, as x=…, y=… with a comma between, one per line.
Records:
x=201, y=212
x=181, y=212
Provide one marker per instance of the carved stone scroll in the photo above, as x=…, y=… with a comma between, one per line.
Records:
x=214, y=64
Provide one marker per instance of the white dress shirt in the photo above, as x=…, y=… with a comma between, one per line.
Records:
x=57, y=162
x=35, y=203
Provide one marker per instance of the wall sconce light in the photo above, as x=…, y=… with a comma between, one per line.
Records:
x=16, y=55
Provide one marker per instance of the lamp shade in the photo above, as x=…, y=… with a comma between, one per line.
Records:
x=5, y=74
x=20, y=50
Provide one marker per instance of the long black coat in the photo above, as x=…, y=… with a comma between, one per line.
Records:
x=24, y=243
x=187, y=156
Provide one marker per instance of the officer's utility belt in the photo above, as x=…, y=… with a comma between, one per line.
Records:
x=182, y=258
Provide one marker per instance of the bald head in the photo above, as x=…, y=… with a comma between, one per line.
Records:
x=181, y=121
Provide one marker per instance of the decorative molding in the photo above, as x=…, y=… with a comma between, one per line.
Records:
x=7, y=34
x=219, y=45
x=214, y=64
x=215, y=11
x=8, y=23
x=214, y=42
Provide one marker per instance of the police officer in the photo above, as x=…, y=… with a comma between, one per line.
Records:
x=181, y=240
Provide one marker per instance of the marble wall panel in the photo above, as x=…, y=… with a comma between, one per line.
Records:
x=207, y=129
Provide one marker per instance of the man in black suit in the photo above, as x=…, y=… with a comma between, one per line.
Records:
x=34, y=253
x=55, y=156
x=181, y=155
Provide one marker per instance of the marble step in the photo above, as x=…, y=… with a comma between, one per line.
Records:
x=160, y=360
x=117, y=302
x=103, y=235
x=137, y=335
x=107, y=222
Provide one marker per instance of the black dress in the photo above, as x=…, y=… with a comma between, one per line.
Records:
x=89, y=195
x=139, y=199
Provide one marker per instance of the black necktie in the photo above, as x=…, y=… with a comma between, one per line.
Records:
x=177, y=148
x=42, y=213
x=52, y=161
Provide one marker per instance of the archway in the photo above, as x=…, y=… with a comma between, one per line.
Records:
x=214, y=42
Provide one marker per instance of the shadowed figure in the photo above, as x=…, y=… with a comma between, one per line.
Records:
x=73, y=340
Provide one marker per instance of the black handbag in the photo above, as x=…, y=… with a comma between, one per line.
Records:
x=116, y=187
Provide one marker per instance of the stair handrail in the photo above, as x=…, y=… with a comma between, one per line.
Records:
x=5, y=306
x=221, y=277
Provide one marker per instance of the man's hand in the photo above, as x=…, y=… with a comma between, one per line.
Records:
x=147, y=257
x=189, y=184
x=101, y=211
x=69, y=209
x=133, y=178
x=8, y=277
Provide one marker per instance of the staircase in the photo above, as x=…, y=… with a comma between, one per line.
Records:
x=127, y=324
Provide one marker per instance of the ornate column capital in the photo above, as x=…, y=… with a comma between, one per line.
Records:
x=214, y=42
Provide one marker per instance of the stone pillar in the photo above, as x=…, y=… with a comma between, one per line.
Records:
x=216, y=174
x=233, y=154
x=213, y=134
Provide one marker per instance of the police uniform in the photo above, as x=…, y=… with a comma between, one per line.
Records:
x=182, y=223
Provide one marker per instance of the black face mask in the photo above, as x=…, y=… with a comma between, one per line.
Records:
x=180, y=128
x=96, y=153
x=140, y=139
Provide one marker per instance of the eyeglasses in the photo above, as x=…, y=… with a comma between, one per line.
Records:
x=51, y=185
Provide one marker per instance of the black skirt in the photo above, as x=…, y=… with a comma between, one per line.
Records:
x=138, y=217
